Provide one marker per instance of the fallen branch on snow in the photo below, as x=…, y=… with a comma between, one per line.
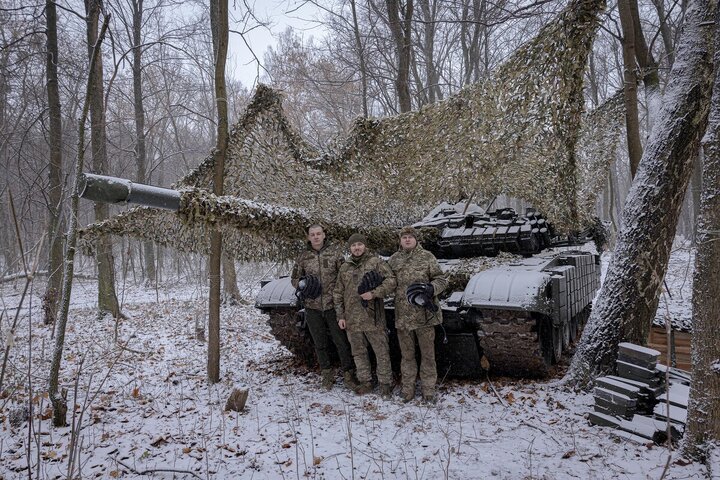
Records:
x=156, y=470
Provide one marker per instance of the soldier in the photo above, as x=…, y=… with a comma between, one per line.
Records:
x=419, y=282
x=314, y=276
x=362, y=283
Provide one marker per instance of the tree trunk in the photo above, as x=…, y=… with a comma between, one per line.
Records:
x=632, y=124
x=361, y=60
x=231, y=293
x=628, y=299
x=57, y=399
x=703, y=427
x=665, y=32
x=107, y=299
x=648, y=66
x=401, y=32
x=140, y=150
x=220, y=30
x=54, y=284
x=432, y=79
x=695, y=189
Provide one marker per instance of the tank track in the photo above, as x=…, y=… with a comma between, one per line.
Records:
x=509, y=340
x=518, y=343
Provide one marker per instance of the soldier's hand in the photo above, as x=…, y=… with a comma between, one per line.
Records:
x=341, y=324
x=367, y=296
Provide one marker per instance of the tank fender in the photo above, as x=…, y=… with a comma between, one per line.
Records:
x=500, y=288
x=277, y=293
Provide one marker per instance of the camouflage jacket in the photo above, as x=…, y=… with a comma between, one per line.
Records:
x=324, y=264
x=416, y=265
x=348, y=304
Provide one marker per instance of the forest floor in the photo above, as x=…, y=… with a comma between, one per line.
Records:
x=142, y=406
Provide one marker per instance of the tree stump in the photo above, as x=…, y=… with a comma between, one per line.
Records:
x=237, y=399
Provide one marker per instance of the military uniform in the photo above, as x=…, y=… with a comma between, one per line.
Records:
x=414, y=322
x=320, y=312
x=365, y=324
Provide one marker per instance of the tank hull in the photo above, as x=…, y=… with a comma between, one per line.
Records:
x=521, y=317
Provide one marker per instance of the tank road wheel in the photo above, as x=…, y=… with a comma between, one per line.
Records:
x=547, y=338
x=566, y=335
x=287, y=326
x=558, y=336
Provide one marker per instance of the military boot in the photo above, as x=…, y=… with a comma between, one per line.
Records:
x=363, y=388
x=350, y=381
x=385, y=390
x=328, y=378
x=428, y=395
x=408, y=395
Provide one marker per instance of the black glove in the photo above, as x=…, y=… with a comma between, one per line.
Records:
x=309, y=287
x=421, y=295
x=370, y=281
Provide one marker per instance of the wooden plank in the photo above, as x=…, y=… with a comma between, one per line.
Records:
x=614, y=397
x=677, y=414
x=678, y=394
x=646, y=355
x=620, y=387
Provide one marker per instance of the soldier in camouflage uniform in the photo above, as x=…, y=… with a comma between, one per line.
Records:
x=363, y=315
x=415, y=266
x=319, y=264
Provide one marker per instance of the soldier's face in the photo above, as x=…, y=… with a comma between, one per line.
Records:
x=357, y=249
x=408, y=242
x=316, y=237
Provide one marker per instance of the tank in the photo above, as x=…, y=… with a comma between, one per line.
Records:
x=513, y=307
x=515, y=303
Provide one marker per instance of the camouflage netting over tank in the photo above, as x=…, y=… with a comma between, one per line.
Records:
x=514, y=134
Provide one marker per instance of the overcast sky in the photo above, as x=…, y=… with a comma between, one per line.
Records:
x=279, y=14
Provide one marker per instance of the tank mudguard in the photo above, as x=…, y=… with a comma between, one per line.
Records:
x=277, y=293
x=509, y=289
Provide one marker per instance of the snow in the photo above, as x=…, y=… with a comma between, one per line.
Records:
x=147, y=406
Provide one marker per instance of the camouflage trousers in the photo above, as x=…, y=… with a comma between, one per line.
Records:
x=324, y=329
x=425, y=337
x=378, y=340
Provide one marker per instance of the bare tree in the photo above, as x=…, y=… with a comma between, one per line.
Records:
x=629, y=296
x=140, y=151
x=400, y=22
x=107, y=298
x=703, y=428
x=55, y=182
x=632, y=123
x=220, y=30
x=57, y=397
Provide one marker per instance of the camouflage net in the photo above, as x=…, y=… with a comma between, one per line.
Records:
x=515, y=134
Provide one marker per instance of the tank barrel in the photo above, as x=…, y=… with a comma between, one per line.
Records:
x=104, y=189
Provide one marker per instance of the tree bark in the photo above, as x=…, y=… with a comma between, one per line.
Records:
x=220, y=31
x=54, y=284
x=629, y=296
x=703, y=427
x=361, y=60
x=401, y=32
x=140, y=150
x=632, y=124
x=231, y=293
x=665, y=32
x=107, y=298
x=432, y=79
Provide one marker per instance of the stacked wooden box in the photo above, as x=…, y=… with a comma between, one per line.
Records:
x=635, y=401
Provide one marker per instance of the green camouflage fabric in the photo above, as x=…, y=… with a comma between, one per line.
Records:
x=416, y=265
x=324, y=264
x=348, y=304
x=378, y=340
x=408, y=365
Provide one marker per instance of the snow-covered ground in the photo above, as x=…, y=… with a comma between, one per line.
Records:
x=143, y=406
